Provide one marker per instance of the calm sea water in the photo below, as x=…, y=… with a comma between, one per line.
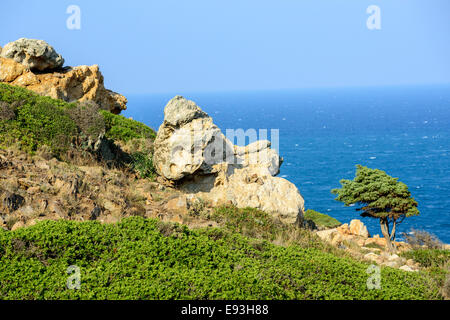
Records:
x=324, y=133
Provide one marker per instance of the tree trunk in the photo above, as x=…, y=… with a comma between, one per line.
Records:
x=393, y=230
x=384, y=224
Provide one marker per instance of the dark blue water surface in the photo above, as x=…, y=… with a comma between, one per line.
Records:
x=324, y=133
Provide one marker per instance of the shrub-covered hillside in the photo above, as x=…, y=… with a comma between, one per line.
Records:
x=31, y=122
x=147, y=259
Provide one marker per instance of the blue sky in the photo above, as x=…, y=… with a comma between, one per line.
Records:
x=211, y=45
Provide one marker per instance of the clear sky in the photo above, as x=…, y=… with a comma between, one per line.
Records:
x=222, y=45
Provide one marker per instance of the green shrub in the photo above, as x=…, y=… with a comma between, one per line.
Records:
x=321, y=220
x=142, y=163
x=421, y=238
x=247, y=221
x=437, y=263
x=11, y=94
x=255, y=223
x=86, y=116
x=37, y=121
x=45, y=123
x=428, y=257
x=120, y=128
x=147, y=259
x=198, y=208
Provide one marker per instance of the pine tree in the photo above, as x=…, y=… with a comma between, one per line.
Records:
x=379, y=196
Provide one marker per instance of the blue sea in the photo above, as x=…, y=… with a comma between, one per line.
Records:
x=324, y=133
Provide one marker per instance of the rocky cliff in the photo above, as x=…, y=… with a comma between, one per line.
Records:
x=35, y=65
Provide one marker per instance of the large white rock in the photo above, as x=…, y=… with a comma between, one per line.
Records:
x=189, y=142
x=190, y=148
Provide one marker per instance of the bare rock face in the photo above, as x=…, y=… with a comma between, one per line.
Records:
x=68, y=84
x=189, y=142
x=191, y=149
x=247, y=188
x=357, y=227
x=36, y=55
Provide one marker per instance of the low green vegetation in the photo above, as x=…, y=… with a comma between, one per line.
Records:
x=437, y=263
x=31, y=121
x=429, y=257
x=248, y=221
x=120, y=128
x=147, y=259
x=258, y=224
x=321, y=220
x=142, y=163
x=38, y=120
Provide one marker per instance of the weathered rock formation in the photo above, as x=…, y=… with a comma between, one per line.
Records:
x=38, y=68
x=191, y=149
x=356, y=239
x=357, y=233
x=36, y=55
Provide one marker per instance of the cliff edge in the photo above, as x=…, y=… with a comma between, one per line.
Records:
x=35, y=65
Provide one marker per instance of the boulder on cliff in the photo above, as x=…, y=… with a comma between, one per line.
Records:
x=83, y=83
x=36, y=55
x=191, y=149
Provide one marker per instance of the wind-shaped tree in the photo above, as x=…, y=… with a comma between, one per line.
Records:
x=379, y=196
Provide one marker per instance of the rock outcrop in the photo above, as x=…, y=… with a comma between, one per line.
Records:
x=189, y=142
x=192, y=150
x=355, y=239
x=36, y=55
x=39, y=68
x=358, y=228
x=356, y=233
